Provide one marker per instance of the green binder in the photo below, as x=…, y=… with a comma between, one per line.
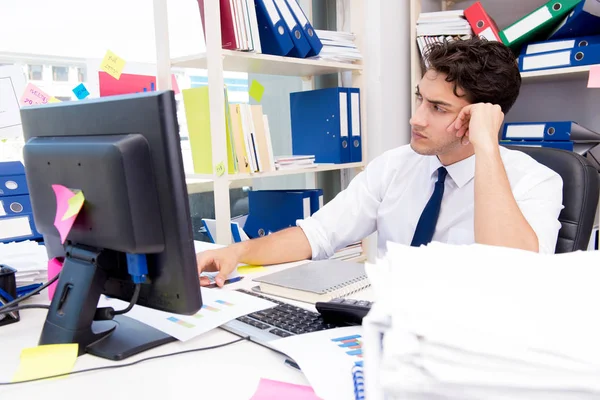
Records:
x=536, y=25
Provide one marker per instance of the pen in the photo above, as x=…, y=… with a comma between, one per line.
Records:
x=227, y=282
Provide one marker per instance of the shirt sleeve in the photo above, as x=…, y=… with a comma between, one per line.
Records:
x=541, y=205
x=350, y=216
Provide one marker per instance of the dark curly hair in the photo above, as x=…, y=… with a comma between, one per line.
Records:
x=486, y=71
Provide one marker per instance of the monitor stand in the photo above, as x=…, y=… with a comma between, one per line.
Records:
x=71, y=315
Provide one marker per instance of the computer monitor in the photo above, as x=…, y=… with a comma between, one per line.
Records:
x=124, y=154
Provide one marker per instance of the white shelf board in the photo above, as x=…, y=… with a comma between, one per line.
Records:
x=318, y=168
x=206, y=185
x=238, y=61
x=556, y=74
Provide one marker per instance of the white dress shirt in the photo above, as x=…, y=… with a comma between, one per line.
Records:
x=390, y=194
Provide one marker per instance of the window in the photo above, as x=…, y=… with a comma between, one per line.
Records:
x=81, y=74
x=34, y=72
x=60, y=74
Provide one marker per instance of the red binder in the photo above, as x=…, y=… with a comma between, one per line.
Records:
x=481, y=23
x=228, y=40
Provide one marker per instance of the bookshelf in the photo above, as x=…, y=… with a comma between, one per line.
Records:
x=216, y=60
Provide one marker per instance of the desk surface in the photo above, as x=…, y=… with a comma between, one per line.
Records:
x=231, y=372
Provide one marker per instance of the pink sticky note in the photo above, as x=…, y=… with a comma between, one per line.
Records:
x=594, y=79
x=63, y=195
x=276, y=390
x=54, y=267
x=34, y=95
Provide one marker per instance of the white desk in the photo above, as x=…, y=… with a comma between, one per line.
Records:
x=231, y=372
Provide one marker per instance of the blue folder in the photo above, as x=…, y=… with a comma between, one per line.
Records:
x=320, y=124
x=301, y=45
x=574, y=57
x=316, y=197
x=584, y=20
x=12, y=179
x=274, y=35
x=549, y=131
x=309, y=32
x=271, y=211
x=354, y=124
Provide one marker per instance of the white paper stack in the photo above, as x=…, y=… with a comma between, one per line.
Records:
x=440, y=26
x=30, y=260
x=338, y=46
x=472, y=322
x=295, y=162
x=350, y=252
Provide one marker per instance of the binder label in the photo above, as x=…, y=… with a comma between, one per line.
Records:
x=272, y=11
x=354, y=98
x=343, y=115
x=488, y=34
x=298, y=11
x=286, y=14
x=533, y=20
x=546, y=60
x=534, y=131
x=15, y=227
x=550, y=46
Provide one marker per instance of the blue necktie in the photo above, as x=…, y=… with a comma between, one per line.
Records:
x=427, y=221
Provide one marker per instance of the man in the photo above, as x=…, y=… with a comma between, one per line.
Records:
x=452, y=184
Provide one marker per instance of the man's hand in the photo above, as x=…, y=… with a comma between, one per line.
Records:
x=224, y=260
x=478, y=124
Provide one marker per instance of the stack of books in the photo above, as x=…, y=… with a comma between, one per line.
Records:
x=338, y=46
x=294, y=162
x=351, y=252
x=437, y=27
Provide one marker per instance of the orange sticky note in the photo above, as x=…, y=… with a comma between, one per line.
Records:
x=65, y=207
x=45, y=361
x=112, y=64
x=594, y=79
x=34, y=95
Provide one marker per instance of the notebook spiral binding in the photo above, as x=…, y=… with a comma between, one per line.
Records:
x=350, y=287
x=359, y=382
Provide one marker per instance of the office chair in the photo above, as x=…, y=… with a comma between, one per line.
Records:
x=580, y=194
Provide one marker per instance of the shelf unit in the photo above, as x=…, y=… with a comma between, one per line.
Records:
x=216, y=60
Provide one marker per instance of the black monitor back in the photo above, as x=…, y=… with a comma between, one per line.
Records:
x=137, y=206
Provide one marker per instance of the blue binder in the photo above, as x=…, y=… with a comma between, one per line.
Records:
x=560, y=44
x=316, y=196
x=354, y=124
x=584, y=20
x=271, y=211
x=309, y=32
x=577, y=56
x=12, y=179
x=301, y=46
x=274, y=35
x=320, y=124
x=549, y=131
x=564, y=145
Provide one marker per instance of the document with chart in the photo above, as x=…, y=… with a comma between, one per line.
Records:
x=219, y=307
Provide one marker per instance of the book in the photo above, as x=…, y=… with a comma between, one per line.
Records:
x=316, y=281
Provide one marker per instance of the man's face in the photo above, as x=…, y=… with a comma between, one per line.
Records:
x=437, y=108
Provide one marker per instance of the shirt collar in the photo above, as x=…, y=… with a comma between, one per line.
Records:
x=461, y=172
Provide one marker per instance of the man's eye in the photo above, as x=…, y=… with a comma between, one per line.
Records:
x=439, y=109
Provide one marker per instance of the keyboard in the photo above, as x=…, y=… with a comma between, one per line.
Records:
x=278, y=322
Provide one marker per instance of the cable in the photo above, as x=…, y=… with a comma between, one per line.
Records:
x=25, y=307
x=28, y=295
x=134, y=299
x=128, y=364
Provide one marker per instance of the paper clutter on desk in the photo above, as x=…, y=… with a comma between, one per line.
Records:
x=275, y=390
x=30, y=260
x=46, y=361
x=483, y=322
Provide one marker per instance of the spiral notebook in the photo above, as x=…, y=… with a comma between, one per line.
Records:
x=316, y=281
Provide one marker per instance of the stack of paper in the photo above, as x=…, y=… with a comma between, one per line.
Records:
x=484, y=322
x=295, y=162
x=30, y=260
x=338, y=46
x=350, y=252
x=440, y=26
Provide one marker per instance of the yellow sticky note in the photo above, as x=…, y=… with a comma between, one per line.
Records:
x=45, y=361
x=250, y=269
x=75, y=204
x=220, y=168
x=53, y=100
x=256, y=90
x=112, y=64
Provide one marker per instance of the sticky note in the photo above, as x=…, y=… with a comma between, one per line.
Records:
x=220, y=168
x=112, y=64
x=275, y=390
x=44, y=361
x=65, y=207
x=594, y=78
x=34, y=95
x=53, y=100
x=250, y=269
x=256, y=90
x=81, y=92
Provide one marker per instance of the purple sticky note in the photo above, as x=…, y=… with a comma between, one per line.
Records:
x=594, y=79
x=276, y=390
